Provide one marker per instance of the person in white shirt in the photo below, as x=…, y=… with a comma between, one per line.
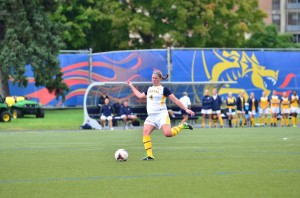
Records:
x=186, y=101
x=158, y=116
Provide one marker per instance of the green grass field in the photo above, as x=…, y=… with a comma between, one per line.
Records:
x=241, y=162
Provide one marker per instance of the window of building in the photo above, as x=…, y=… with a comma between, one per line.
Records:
x=294, y=18
x=276, y=20
x=276, y=4
x=293, y=1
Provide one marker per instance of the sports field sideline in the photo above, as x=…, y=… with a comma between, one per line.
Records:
x=240, y=162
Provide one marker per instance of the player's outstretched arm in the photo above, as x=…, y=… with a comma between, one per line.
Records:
x=135, y=91
x=177, y=102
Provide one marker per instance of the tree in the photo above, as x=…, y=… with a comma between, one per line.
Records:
x=30, y=37
x=269, y=38
x=138, y=24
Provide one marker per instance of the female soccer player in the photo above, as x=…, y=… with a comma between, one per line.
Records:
x=240, y=106
x=264, y=103
x=274, y=108
x=158, y=116
x=206, y=108
x=253, y=107
x=230, y=111
x=294, y=107
x=285, y=111
x=216, y=106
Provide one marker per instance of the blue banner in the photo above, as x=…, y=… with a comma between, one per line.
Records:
x=255, y=71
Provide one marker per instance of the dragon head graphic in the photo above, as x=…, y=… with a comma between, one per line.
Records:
x=235, y=66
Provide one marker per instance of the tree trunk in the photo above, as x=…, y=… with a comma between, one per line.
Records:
x=4, y=89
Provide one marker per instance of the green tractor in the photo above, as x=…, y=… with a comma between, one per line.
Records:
x=20, y=106
x=5, y=115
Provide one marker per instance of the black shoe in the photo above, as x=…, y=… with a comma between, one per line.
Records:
x=271, y=124
x=187, y=126
x=275, y=125
x=148, y=158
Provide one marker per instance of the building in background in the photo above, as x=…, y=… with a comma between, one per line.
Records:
x=283, y=13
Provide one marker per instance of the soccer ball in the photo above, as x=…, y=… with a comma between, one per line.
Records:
x=121, y=155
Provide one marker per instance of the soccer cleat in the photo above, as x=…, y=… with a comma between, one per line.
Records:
x=147, y=158
x=187, y=126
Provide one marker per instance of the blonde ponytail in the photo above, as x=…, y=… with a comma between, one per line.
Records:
x=158, y=72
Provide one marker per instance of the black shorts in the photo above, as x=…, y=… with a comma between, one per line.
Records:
x=183, y=112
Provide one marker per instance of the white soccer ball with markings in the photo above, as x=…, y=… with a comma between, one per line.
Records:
x=121, y=155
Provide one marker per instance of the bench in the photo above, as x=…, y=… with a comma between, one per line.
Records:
x=141, y=112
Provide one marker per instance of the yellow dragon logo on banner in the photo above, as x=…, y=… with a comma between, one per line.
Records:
x=234, y=66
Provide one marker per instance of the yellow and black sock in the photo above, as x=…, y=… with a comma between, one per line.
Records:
x=221, y=121
x=148, y=145
x=282, y=121
x=252, y=122
x=287, y=121
x=175, y=130
x=274, y=121
x=234, y=121
x=294, y=120
x=243, y=122
x=266, y=120
x=260, y=121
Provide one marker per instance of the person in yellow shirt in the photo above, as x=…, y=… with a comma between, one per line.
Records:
x=230, y=111
x=285, y=111
x=264, y=103
x=294, y=99
x=274, y=108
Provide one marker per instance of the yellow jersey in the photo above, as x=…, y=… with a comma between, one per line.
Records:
x=275, y=101
x=230, y=103
x=264, y=102
x=294, y=101
x=285, y=103
x=253, y=104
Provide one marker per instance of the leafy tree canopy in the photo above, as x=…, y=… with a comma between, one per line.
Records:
x=269, y=38
x=30, y=37
x=138, y=24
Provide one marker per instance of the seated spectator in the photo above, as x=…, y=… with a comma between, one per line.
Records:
x=106, y=114
x=117, y=107
x=127, y=114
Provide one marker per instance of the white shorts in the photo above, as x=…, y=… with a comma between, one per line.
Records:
x=243, y=112
x=158, y=119
x=103, y=117
x=128, y=116
x=230, y=111
x=294, y=109
x=206, y=111
x=284, y=111
x=253, y=112
x=216, y=112
x=275, y=109
x=264, y=111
